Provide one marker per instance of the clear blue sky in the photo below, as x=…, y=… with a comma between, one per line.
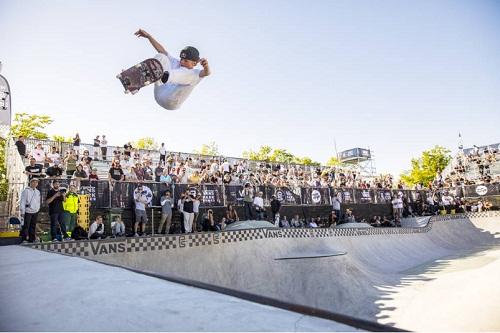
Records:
x=394, y=76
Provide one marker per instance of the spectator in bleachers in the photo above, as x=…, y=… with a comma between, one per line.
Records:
x=97, y=148
x=104, y=147
x=76, y=144
x=53, y=157
x=79, y=174
x=93, y=174
x=296, y=222
x=116, y=173
x=21, y=146
x=33, y=170
x=54, y=171
x=38, y=154
x=70, y=164
x=158, y=171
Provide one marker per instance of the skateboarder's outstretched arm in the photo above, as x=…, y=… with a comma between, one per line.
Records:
x=158, y=47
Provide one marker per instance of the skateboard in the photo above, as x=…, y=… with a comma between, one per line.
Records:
x=140, y=75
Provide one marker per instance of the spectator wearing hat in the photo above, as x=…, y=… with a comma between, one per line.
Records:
x=38, y=154
x=29, y=207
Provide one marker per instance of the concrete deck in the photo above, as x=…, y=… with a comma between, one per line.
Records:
x=42, y=291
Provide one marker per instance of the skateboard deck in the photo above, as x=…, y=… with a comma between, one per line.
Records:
x=140, y=75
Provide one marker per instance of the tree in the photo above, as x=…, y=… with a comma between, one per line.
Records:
x=146, y=143
x=210, y=149
x=333, y=161
x=30, y=125
x=425, y=167
x=277, y=155
x=62, y=138
x=306, y=161
x=263, y=154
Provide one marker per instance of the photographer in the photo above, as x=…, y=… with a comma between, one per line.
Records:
x=55, y=198
x=166, y=212
x=141, y=217
x=208, y=221
x=29, y=207
x=247, y=194
x=187, y=207
x=96, y=230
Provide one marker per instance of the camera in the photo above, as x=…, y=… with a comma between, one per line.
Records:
x=62, y=190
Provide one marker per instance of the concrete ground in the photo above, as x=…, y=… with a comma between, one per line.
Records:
x=443, y=279
x=42, y=291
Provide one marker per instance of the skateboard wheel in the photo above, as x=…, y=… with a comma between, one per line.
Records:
x=147, y=82
x=134, y=92
x=126, y=91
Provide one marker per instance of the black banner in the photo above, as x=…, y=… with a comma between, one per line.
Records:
x=211, y=195
x=481, y=190
x=287, y=196
x=316, y=196
x=364, y=196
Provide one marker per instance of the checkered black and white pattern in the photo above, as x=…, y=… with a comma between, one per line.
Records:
x=160, y=243
x=153, y=243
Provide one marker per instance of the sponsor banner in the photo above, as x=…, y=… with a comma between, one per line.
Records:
x=316, y=196
x=383, y=196
x=348, y=196
x=211, y=195
x=286, y=195
x=364, y=195
x=481, y=190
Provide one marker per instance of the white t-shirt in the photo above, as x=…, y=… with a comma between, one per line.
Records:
x=38, y=155
x=54, y=157
x=397, y=203
x=225, y=167
x=258, y=201
x=181, y=82
x=162, y=151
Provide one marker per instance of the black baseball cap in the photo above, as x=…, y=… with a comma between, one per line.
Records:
x=190, y=53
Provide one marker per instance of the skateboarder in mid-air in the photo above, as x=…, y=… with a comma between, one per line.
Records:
x=180, y=76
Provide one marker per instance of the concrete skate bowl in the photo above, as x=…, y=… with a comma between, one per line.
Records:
x=442, y=276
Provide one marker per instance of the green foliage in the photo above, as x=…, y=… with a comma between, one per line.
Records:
x=277, y=155
x=146, y=143
x=4, y=185
x=333, y=161
x=30, y=125
x=210, y=149
x=62, y=138
x=425, y=167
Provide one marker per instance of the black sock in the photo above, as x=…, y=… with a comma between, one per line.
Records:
x=165, y=76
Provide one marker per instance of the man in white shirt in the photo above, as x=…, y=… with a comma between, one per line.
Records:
x=104, y=147
x=96, y=230
x=163, y=153
x=258, y=203
x=53, y=157
x=29, y=208
x=397, y=207
x=180, y=76
x=38, y=154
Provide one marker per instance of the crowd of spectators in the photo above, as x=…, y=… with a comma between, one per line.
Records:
x=476, y=167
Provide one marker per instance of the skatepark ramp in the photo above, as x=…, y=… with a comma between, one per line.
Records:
x=426, y=277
